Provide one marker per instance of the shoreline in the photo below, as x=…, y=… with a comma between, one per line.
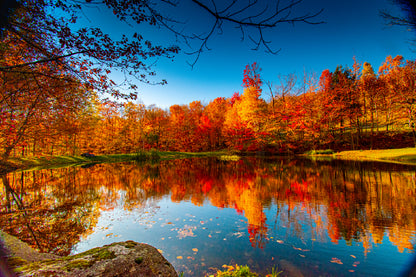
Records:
x=400, y=155
x=49, y=161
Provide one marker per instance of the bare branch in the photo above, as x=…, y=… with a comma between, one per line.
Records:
x=408, y=7
x=244, y=19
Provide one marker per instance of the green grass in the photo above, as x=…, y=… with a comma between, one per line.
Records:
x=320, y=152
x=403, y=155
x=60, y=161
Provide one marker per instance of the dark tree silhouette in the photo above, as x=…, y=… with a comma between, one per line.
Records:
x=407, y=19
x=408, y=7
x=49, y=29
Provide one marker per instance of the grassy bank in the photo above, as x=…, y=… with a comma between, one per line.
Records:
x=402, y=155
x=59, y=161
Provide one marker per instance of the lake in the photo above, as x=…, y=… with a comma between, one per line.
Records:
x=315, y=218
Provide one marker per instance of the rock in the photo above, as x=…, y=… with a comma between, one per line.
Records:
x=22, y=250
x=127, y=258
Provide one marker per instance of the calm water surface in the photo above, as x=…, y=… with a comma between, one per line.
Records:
x=328, y=218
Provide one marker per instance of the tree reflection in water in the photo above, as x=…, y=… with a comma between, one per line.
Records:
x=363, y=203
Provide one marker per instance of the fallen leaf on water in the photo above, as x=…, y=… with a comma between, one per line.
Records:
x=108, y=235
x=353, y=256
x=303, y=256
x=300, y=249
x=351, y=270
x=179, y=257
x=187, y=231
x=279, y=241
x=336, y=261
x=190, y=258
x=195, y=249
x=238, y=234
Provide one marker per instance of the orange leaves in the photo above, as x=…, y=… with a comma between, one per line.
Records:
x=252, y=77
x=336, y=261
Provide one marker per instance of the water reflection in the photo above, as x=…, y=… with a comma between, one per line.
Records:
x=364, y=204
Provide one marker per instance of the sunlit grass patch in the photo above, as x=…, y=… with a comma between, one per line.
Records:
x=401, y=154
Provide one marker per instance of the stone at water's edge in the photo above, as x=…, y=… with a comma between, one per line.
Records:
x=127, y=258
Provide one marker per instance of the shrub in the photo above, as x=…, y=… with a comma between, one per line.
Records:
x=320, y=152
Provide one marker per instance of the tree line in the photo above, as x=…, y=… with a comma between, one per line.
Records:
x=348, y=108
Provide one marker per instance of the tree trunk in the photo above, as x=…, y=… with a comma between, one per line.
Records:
x=7, y=151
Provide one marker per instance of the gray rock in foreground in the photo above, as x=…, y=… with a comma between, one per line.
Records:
x=127, y=258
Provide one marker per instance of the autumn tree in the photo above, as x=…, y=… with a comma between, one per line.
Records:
x=155, y=125
x=252, y=77
x=326, y=115
x=244, y=122
x=237, y=135
x=277, y=120
x=399, y=78
x=215, y=113
x=30, y=100
x=133, y=129
x=370, y=88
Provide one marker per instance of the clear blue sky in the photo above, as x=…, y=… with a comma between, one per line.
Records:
x=352, y=28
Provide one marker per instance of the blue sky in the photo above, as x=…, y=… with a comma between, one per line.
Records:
x=352, y=28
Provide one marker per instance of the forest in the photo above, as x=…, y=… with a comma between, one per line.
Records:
x=58, y=96
x=48, y=112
